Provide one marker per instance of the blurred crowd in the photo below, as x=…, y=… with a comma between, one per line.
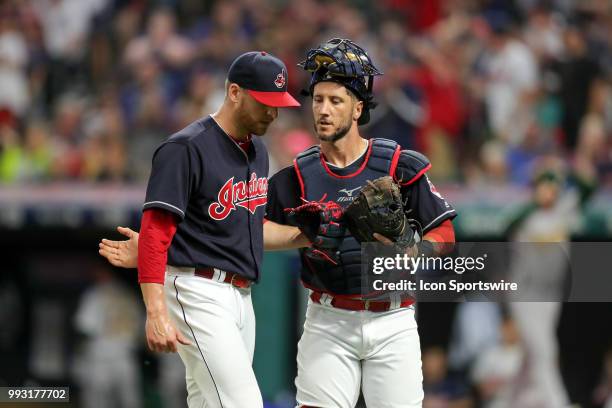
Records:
x=484, y=87
x=491, y=90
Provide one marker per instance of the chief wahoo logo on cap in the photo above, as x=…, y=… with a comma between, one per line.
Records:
x=280, y=79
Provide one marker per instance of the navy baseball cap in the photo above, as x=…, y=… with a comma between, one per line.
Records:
x=264, y=77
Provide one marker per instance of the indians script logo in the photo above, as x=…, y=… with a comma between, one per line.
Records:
x=280, y=79
x=349, y=194
x=242, y=194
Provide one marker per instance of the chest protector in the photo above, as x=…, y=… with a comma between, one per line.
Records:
x=317, y=181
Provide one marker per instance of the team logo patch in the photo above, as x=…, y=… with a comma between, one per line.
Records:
x=280, y=79
x=249, y=196
x=433, y=189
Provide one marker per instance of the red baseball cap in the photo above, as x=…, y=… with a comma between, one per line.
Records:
x=265, y=78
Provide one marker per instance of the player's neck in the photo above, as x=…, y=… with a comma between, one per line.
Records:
x=345, y=151
x=226, y=121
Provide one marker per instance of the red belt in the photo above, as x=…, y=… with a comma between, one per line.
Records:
x=232, y=278
x=359, y=304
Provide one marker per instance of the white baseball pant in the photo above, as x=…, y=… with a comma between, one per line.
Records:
x=342, y=351
x=219, y=321
x=537, y=323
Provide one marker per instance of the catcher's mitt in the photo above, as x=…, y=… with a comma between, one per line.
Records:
x=379, y=208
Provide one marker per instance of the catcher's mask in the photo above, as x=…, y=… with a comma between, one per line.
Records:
x=343, y=61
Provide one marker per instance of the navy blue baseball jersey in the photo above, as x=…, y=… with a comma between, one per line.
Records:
x=427, y=206
x=218, y=191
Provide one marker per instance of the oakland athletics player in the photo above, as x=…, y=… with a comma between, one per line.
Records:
x=547, y=218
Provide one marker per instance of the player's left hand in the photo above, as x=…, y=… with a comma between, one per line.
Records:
x=162, y=335
x=123, y=254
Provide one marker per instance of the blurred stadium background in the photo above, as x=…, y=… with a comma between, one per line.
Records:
x=488, y=89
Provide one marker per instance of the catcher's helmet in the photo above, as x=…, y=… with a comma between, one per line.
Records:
x=343, y=61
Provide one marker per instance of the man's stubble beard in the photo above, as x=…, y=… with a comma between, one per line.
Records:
x=339, y=134
x=250, y=124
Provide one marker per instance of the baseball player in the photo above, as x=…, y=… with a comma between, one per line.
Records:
x=107, y=366
x=549, y=217
x=201, y=236
x=348, y=343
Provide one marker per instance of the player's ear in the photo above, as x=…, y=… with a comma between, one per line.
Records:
x=357, y=110
x=233, y=92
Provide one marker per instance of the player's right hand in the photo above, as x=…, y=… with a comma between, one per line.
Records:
x=123, y=254
x=162, y=336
